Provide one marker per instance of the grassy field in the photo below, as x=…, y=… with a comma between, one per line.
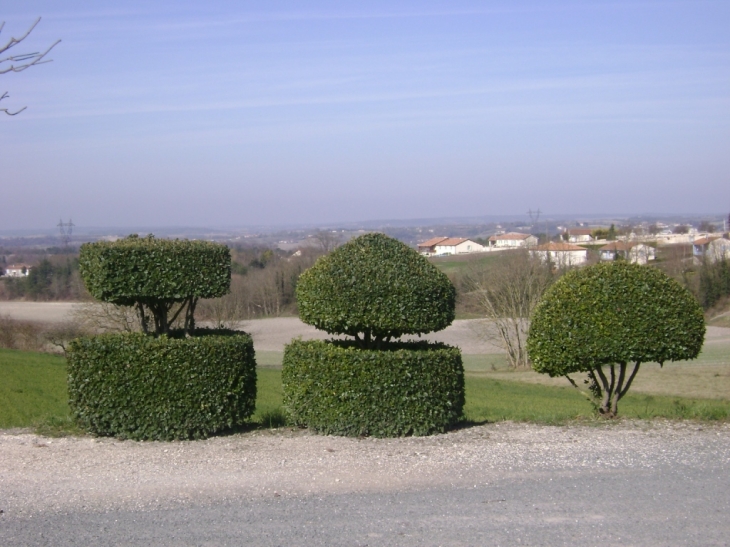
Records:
x=460, y=263
x=32, y=388
x=33, y=393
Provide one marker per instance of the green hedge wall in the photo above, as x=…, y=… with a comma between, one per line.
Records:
x=140, y=387
x=136, y=269
x=404, y=389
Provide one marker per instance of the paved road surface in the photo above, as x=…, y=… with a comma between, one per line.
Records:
x=666, y=486
x=664, y=506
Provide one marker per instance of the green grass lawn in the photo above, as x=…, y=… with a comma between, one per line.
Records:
x=461, y=263
x=33, y=394
x=32, y=388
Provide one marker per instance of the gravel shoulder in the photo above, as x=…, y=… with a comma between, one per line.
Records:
x=90, y=474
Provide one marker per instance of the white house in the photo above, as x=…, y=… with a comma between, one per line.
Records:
x=701, y=245
x=449, y=246
x=636, y=253
x=579, y=235
x=512, y=240
x=719, y=249
x=17, y=270
x=561, y=254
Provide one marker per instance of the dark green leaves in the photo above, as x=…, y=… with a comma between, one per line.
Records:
x=139, y=387
x=375, y=284
x=612, y=313
x=146, y=269
x=404, y=389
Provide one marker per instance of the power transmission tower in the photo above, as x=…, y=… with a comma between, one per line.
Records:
x=66, y=229
x=534, y=216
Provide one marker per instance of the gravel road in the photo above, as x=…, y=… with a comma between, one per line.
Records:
x=627, y=483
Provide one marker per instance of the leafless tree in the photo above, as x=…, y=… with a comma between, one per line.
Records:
x=21, y=61
x=506, y=292
x=99, y=317
x=328, y=240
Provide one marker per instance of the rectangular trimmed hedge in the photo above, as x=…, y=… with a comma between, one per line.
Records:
x=140, y=387
x=405, y=389
x=133, y=269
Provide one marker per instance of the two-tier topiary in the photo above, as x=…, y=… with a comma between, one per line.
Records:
x=162, y=383
x=374, y=290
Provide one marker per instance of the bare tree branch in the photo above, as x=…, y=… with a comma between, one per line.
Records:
x=506, y=293
x=21, y=61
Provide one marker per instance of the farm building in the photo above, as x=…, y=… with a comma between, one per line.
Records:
x=561, y=254
x=17, y=270
x=579, y=235
x=719, y=249
x=512, y=240
x=636, y=253
x=449, y=246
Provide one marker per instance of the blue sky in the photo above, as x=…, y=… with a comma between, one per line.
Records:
x=247, y=113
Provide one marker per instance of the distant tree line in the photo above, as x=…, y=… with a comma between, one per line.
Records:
x=263, y=284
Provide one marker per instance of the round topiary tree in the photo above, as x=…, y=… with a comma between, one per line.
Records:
x=602, y=318
x=374, y=289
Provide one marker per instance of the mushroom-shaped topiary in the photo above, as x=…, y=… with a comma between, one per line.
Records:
x=376, y=289
x=610, y=315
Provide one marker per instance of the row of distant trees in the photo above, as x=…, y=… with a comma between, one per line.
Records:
x=263, y=283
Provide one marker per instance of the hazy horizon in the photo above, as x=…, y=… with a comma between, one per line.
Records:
x=322, y=113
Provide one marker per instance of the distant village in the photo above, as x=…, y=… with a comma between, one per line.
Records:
x=563, y=245
x=571, y=246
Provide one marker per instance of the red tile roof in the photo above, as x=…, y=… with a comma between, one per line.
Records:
x=451, y=241
x=704, y=240
x=433, y=241
x=580, y=231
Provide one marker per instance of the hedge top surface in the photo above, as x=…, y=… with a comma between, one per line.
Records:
x=376, y=285
x=138, y=269
x=614, y=313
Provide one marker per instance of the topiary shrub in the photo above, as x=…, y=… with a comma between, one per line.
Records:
x=172, y=385
x=155, y=274
x=338, y=388
x=141, y=387
x=602, y=318
x=374, y=289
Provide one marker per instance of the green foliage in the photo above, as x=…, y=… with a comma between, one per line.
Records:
x=140, y=387
x=610, y=313
x=136, y=269
x=613, y=313
x=377, y=286
x=714, y=282
x=403, y=389
x=155, y=274
x=611, y=234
